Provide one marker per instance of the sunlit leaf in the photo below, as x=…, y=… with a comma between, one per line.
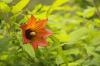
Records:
x=19, y=6
x=73, y=64
x=59, y=2
x=4, y=8
x=88, y=13
x=4, y=57
x=62, y=36
x=56, y=4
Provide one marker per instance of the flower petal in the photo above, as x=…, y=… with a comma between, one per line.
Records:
x=35, y=44
x=41, y=33
x=45, y=33
x=42, y=43
x=41, y=24
x=31, y=22
x=39, y=42
x=23, y=26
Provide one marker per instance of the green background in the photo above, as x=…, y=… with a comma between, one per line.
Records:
x=76, y=33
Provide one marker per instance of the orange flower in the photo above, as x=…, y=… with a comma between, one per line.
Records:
x=34, y=32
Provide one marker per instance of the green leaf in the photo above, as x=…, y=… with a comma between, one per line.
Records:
x=96, y=39
x=7, y=1
x=1, y=37
x=97, y=22
x=88, y=13
x=57, y=4
x=4, y=8
x=29, y=49
x=78, y=35
x=73, y=64
x=19, y=6
x=62, y=36
x=59, y=60
x=4, y=57
x=72, y=51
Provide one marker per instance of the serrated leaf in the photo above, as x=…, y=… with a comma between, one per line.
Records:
x=19, y=6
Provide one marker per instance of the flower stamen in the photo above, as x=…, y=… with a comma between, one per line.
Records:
x=33, y=33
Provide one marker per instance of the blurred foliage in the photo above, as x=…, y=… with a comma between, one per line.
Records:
x=76, y=33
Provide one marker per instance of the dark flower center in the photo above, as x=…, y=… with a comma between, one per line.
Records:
x=28, y=34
